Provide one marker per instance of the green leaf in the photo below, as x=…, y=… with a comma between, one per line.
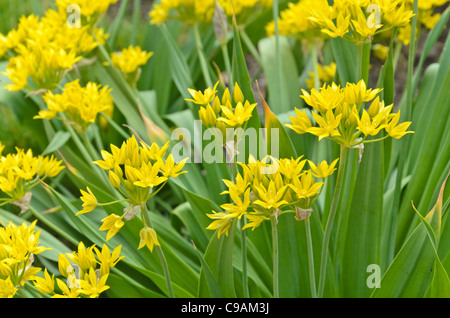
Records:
x=58, y=141
x=213, y=285
x=363, y=230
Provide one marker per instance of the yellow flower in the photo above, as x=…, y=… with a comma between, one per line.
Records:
x=170, y=169
x=107, y=259
x=242, y=113
x=68, y=292
x=270, y=198
x=300, y=123
x=45, y=285
x=327, y=126
x=147, y=176
x=340, y=29
x=89, y=201
x=130, y=59
x=148, y=238
x=112, y=223
x=203, y=98
x=7, y=289
x=255, y=221
x=323, y=170
x=93, y=286
x=84, y=257
x=398, y=131
x=81, y=105
x=222, y=222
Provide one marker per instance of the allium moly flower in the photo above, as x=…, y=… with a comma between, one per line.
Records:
x=45, y=49
x=326, y=75
x=81, y=276
x=231, y=110
x=201, y=11
x=129, y=61
x=341, y=117
x=76, y=105
x=22, y=171
x=18, y=245
x=269, y=188
x=139, y=172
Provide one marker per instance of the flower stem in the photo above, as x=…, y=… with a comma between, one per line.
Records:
x=330, y=221
x=273, y=220
x=160, y=253
x=315, y=61
x=359, y=61
x=201, y=56
x=252, y=49
x=312, y=278
x=226, y=58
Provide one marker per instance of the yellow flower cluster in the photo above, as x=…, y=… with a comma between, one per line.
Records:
x=354, y=20
x=83, y=278
x=18, y=245
x=89, y=9
x=425, y=16
x=295, y=20
x=129, y=60
x=45, y=49
x=341, y=117
x=21, y=171
x=201, y=11
x=225, y=112
x=80, y=105
x=266, y=190
x=139, y=172
x=326, y=74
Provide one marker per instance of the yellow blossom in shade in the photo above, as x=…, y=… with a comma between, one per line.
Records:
x=92, y=285
x=326, y=74
x=222, y=222
x=397, y=131
x=380, y=51
x=45, y=285
x=148, y=238
x=323, y=170
x=89, y=201
x=112, y=223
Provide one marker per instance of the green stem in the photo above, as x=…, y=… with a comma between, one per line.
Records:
x=252, y=49
x=312, y=278
x=201, y=56
x=315, y=61
x=359, y=62
x=226, y=58
x=160, y=253
x=273, y=220
x=330, y=221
